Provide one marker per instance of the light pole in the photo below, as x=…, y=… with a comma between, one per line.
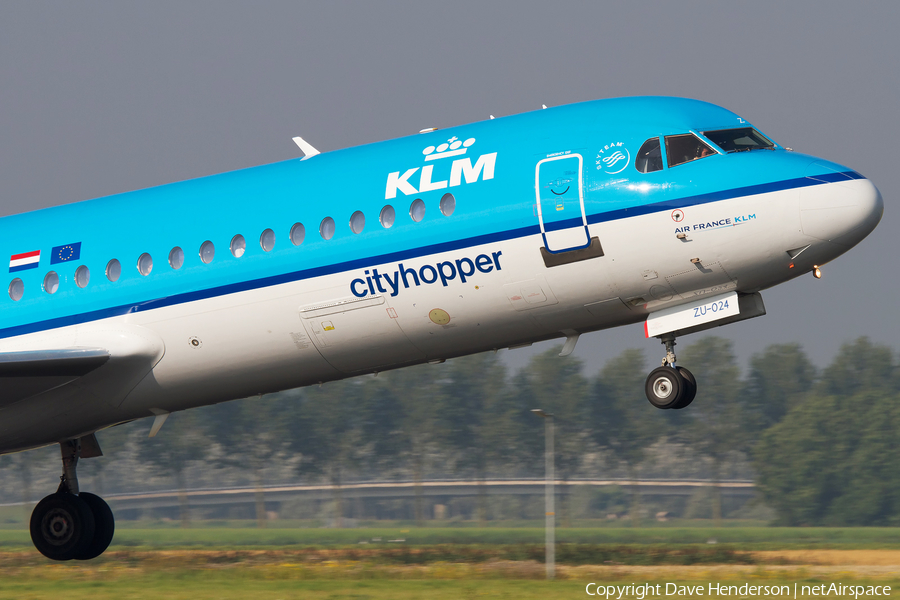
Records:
x=549, y=514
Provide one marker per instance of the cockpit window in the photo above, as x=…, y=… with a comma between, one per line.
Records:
x=685, y=148
x=649, y=157
x=739, y=140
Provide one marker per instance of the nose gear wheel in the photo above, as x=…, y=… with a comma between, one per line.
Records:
x=664, y=387
x=669, y=386
x=690, y=388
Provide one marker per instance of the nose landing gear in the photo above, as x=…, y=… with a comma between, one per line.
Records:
x=71, y=525
x=669, y=386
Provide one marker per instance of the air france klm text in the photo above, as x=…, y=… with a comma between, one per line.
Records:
x=726, y=222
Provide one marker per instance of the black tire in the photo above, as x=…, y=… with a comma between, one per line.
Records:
x=104, y=526
x=62, y=526
x=690, y=388
x=664, y=387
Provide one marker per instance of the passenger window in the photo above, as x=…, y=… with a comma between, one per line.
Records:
x=267, y=240
x=16, y=289
x=681, y=149
x=298, y=234
x=448, y=204
x=326, y=228
x=145, y=264
x=238, y=245
x=207, y=251
x=82, y=276
x=387, y=216
x=417, y=210
x=176, y=258
x=649, y=157
x=113, y=270
x=51, y=282
x=739, y=140
x=357, y=222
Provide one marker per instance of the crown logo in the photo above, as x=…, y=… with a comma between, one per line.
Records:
x=452, y=147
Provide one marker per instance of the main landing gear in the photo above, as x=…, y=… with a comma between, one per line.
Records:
x=669, y=386
x=71, y=525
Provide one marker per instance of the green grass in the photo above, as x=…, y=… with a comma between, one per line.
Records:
x=749, y=538
x=744, y=538
x=219, y=587
x=80, y=582
x=231, y=560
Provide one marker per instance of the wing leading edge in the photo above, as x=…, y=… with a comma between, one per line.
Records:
x=32, y=372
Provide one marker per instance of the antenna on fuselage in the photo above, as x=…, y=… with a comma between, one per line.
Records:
x=305, y=147
x=160, y=417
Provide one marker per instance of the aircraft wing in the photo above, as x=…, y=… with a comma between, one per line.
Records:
x=28, y=373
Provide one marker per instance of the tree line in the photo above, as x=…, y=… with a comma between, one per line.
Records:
x=821, y=446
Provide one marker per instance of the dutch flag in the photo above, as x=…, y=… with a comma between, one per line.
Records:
x=22, y=262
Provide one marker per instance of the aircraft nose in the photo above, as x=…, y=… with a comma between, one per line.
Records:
x=843, y=211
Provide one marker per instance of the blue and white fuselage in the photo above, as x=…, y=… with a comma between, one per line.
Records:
x=490, y=235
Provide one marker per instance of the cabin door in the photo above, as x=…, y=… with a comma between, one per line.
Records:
x=560, y=203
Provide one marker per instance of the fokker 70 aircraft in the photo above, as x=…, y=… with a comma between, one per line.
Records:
x=671, y=212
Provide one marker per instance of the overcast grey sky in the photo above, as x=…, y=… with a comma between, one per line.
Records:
x=104, y=97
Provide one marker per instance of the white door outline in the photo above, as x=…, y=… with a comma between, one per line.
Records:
x=562, y=240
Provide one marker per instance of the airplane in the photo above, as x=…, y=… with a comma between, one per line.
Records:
x=497, y=234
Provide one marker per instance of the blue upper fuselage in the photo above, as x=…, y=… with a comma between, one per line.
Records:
x=489, y=206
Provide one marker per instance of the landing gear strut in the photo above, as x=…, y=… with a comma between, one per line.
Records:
x=71, y=525
x=669, y=386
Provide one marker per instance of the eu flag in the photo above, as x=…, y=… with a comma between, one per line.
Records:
x=61, y=254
